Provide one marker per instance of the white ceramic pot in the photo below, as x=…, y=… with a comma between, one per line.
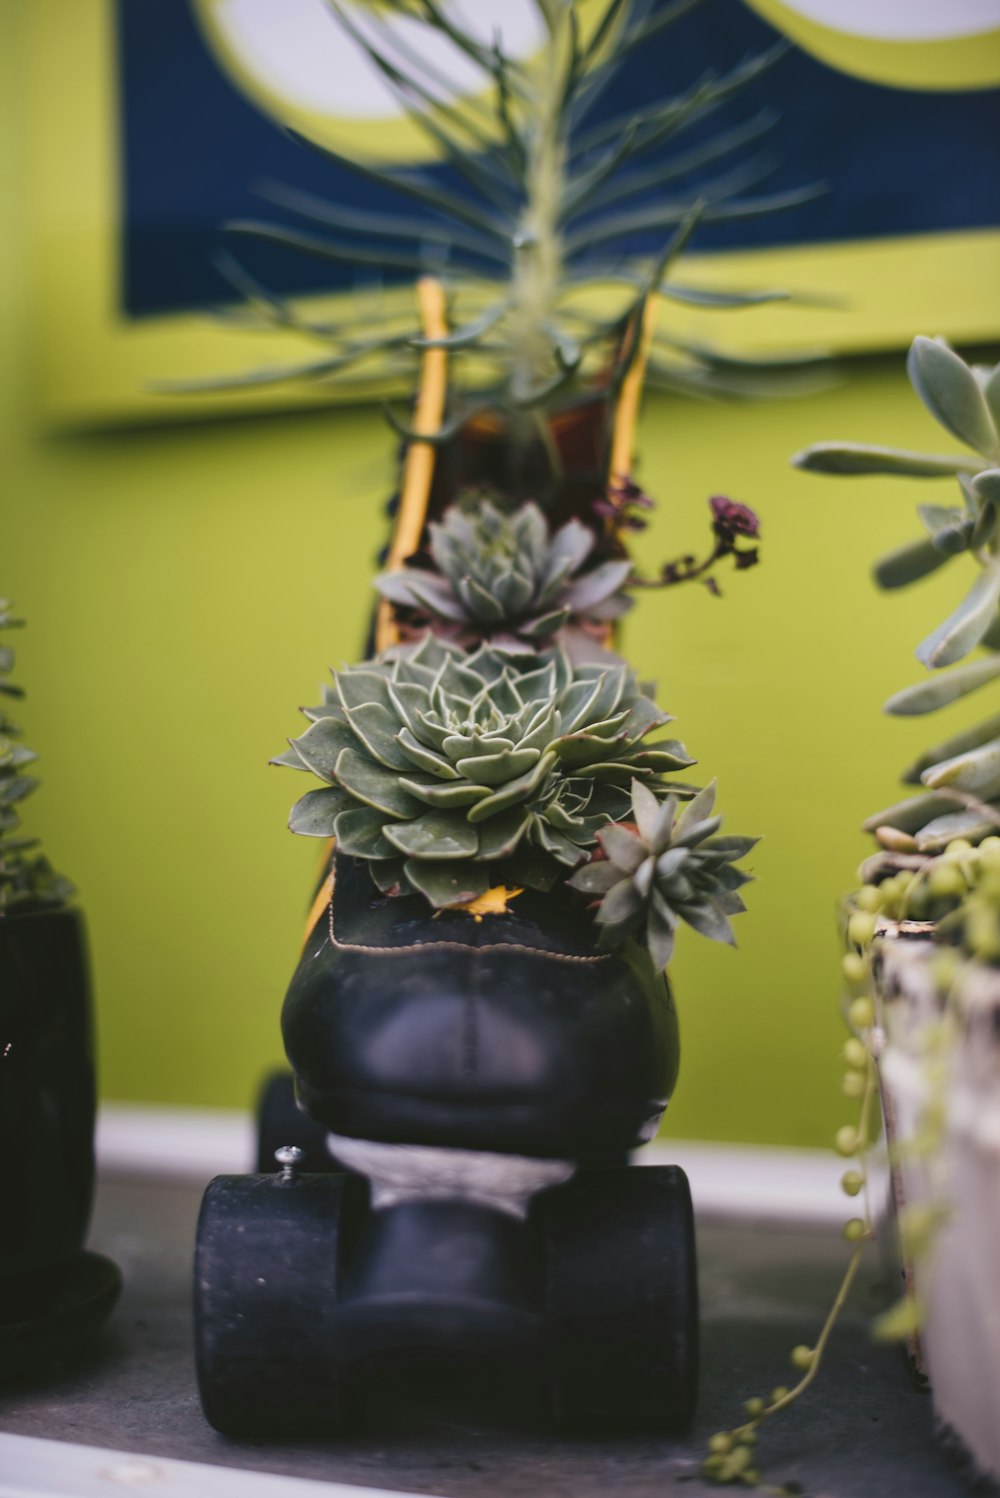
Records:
x=958, y=1282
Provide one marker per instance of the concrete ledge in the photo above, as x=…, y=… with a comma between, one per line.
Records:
x=738, y=1180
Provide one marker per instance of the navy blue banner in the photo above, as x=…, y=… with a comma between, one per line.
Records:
x=897, y=161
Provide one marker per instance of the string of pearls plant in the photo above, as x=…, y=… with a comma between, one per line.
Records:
x=732, y=1454
x=957, y=893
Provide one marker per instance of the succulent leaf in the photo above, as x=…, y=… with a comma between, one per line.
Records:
x=986, y=485
x=865, y=458
x=315, y=813
x=952, y=394
x=928, y=696
x=908, y=563
x=964, y=628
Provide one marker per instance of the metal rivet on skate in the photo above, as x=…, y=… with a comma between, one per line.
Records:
x=289, y=1157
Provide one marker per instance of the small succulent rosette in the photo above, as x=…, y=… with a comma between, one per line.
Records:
x=507, y=578
x=669, y=866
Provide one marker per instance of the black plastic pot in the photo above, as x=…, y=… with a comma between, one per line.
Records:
x=54, y=1295
x=47, y=1091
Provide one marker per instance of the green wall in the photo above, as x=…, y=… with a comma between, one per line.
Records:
x=187, y=587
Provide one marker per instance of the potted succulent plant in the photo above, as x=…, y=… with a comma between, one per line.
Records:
x=481, y=1006
x=52, y=1294
x=924, y=930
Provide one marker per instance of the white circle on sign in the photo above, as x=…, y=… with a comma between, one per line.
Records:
x=299, y=62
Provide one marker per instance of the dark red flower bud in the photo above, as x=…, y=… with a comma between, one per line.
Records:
x=731, y=519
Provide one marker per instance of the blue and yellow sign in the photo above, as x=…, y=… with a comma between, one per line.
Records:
x=155, y=121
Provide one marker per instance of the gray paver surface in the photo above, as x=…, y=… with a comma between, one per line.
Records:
x=863, y=1431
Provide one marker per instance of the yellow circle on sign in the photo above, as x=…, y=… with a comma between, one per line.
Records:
x=913, y=44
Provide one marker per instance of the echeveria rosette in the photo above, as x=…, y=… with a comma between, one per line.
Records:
x=507, y=578
x=669, y=866
x=451, y=772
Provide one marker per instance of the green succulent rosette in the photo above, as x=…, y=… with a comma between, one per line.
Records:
x=670, y=866
x=452, y=772
x=507, y=577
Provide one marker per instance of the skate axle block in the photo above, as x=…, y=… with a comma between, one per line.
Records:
x=306, y=1299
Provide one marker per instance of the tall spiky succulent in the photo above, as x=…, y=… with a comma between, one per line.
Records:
x=528, y=204
x=26, y=877
x=452, y=772
x=962, y=773
x=507, y=578
x=669, y=867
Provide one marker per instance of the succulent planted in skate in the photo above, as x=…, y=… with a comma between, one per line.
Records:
x=452, y=772
x=26, y=876
x=508, y=578
x=668, y=866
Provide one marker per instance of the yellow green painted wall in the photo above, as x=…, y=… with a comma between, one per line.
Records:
x=187, y=587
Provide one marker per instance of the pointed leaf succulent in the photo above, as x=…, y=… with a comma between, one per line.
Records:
x=445, y=770
x=507, y=577
x=669, y=865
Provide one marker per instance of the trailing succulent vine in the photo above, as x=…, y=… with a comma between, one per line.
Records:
x=529, y=205
x=27, y=879
x=733, y=1458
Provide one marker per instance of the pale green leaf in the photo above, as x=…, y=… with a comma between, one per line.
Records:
x=976, y=771
x=595, y=878
x=909, y=815
x=987, y=486
x=315, y=813
x=497, y=769
x=936, y=835
x=447, y=883
x=964, y=628
x=321, y=745
x=908, y=563
x=951, y=393
x=959, y=743
x=939, y=691
x=374, y=785
x=440, y=835
x=857, y=458
x=361, y=833
x=622, y=846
